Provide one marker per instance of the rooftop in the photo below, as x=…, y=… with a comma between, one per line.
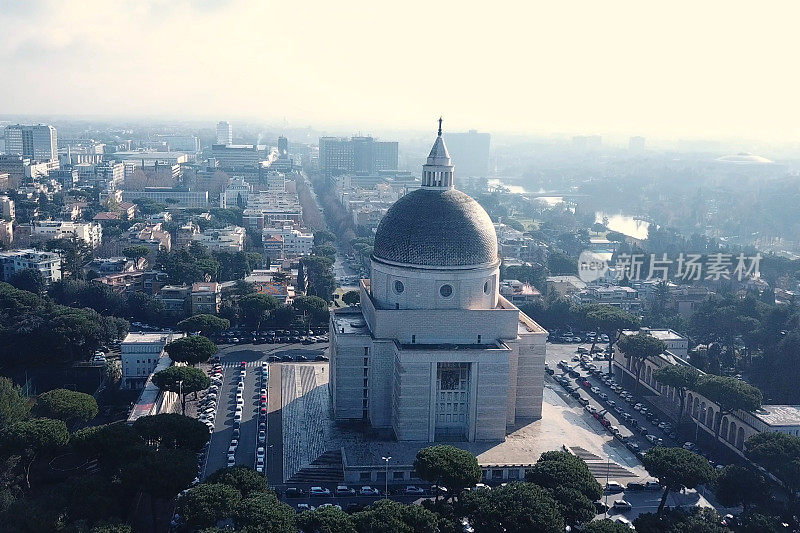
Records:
x=146, y=338
x=663, y=334
x=779, y=415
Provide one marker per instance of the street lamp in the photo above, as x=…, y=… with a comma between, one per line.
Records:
x=386, y=486
x=180, y=397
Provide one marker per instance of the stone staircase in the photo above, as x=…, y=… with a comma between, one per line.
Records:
x=325, y=469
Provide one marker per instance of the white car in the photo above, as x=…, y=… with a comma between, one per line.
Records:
x=622, y=505
x=231, y=450
x=237, y=417
x=369, y=491
x=319, y=491
x=243, y=372
x=231, y=461
x=262, y=437
x=260, y=452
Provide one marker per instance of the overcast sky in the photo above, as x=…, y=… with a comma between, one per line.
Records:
x=664, y=68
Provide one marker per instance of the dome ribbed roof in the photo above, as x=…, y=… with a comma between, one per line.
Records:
x=437, y=228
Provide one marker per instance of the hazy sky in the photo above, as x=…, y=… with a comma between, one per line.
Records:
x=667, y=68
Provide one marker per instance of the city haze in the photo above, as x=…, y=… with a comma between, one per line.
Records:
x=679, y=69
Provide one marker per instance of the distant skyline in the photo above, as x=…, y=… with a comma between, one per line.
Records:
x=678, y=69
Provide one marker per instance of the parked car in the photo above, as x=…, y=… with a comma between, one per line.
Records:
x=614, y=487
x=344, y=490
x=319, y=491
x=369, y=491
x=411, y=489
x=622, y=505
x=294, y=492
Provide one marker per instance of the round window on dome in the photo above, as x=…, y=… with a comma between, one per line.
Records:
x=399, y=287
x=486, y=287
x=446, y=291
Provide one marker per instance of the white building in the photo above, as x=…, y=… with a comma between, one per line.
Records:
x=289, y=242
x=271, y=209
x=235, y=194
x=224, y=133
x=7, y=208
x=140, y=354
x=434, y=352
x=38, y=142
x=48, y=263
x=89, y=232
x=228, y=239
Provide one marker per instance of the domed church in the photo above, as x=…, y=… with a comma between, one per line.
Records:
x=433, y=351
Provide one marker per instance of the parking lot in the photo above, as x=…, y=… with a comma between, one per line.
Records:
x=619, y=417
x=255, y=384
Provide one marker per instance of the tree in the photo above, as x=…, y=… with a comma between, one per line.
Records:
x=324, y=250
x=736, y=485
x=677, y=469
x=312, y=308
x=161, y=474
x=609, y=320
x=264, y=512
x=244, y=479
x=191, y=350
x=681, y=378
x=69, y=406
x=29, y=279
x=33, y=438
x=640, y=348
x=780, y=454
x=182, y=380
x=730, y=394
x=13, y=405
x=254, y=308
x=172, y=431
x=318, y=273
x=388, y=515
x=206, y=324
x=518, y=507
x=695, y=520
x=570, y=483
x=111, y=527
x=351, y=297
x=605, y=526
x=448, y=466
x=136, y=251
x=207, y=503
x=322, y=236
x=113, y=445
x=326, y=520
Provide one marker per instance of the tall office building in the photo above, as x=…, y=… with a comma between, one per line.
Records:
x=470, y=152
x=360, y=155
x=38, y=143
x=224, y=133
x=283, y=147
x=636, y=144
x=434, y=352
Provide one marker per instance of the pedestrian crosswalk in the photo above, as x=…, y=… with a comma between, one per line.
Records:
x=237, y=364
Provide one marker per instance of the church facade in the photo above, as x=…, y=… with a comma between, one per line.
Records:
x=433, y=351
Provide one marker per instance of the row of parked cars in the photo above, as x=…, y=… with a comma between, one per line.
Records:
x=569, y=336
x=207, y=412
x=270, y=337
x=613, y=405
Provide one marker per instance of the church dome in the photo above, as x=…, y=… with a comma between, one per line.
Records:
x=436, y=225
x=438, y=228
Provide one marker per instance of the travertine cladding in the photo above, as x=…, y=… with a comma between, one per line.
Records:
x=449, y=326
x=473, y=288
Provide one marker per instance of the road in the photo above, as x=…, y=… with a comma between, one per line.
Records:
x=253, y=355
